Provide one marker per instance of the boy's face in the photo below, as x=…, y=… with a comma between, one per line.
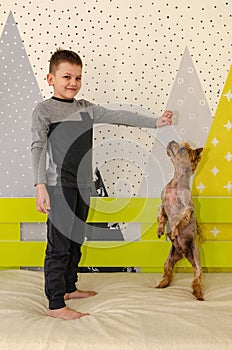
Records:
x=66, y=80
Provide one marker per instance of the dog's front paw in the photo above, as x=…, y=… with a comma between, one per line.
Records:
x=160, y=231
x=187, y=217
x=174, y=233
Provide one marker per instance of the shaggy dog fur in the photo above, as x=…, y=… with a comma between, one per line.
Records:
x=177, y=211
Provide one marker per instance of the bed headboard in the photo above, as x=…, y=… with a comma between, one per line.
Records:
x=149, y=253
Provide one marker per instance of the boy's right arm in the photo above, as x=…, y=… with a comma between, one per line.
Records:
x=42, y=199
x=40, y=127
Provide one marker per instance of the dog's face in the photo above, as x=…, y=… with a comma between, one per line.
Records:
x=183, y=156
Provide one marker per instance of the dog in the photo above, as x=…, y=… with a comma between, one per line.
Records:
x=176, y=214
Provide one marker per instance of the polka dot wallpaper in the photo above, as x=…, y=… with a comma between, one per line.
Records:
x=131, y=49
x=19, y=93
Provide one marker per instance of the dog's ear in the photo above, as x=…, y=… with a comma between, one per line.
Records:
x=186, y=144
x=199, y=150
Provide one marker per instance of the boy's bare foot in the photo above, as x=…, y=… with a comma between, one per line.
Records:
x=66, y=314
x=78, y=294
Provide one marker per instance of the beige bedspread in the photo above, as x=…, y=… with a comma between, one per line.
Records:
x=128, y=313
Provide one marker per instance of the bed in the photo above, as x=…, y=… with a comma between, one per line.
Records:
x=127, y=313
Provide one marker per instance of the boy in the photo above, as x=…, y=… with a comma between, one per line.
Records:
x=62, y=127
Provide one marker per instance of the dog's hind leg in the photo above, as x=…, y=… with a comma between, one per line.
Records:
x=174, y=256
x=193, y=257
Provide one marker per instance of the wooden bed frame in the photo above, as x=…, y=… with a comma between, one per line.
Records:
x=149, y=253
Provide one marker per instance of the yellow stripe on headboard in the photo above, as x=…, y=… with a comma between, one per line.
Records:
x=19, y=210
x=208, y=209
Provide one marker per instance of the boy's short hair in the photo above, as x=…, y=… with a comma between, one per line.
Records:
x=62, y=55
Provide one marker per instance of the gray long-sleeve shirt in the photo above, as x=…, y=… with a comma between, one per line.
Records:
x=62, y=129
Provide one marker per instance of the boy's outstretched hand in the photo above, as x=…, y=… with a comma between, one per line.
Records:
x=165, y=119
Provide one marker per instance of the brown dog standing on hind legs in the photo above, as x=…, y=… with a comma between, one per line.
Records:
x=177, y=211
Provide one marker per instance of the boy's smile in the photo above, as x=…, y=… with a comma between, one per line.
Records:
x=66, y=80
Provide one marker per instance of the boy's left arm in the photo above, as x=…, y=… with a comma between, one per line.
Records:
x=129, y=118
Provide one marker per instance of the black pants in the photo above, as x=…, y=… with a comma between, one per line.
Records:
x=65, y=235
